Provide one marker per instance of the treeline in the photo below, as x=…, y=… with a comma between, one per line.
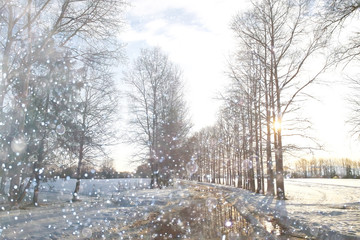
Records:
x=57, y=94
x=269, y=72
x=326, y=168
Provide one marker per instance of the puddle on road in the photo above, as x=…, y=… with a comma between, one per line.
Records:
x=209, y=218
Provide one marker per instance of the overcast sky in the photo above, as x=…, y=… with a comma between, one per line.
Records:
x=196, y=36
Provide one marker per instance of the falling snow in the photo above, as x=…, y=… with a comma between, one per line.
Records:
x=126, y=208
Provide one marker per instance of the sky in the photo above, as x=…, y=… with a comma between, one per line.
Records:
x=196, y=36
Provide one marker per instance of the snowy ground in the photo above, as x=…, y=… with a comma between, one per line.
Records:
x=326, y=204
x=126, y=209
x=317, y=208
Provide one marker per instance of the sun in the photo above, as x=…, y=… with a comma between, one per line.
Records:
x=277, y=124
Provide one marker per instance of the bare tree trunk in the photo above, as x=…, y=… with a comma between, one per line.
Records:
x=269, y=164
x=40, y=156
x=279, y=161
x=36, y=172
x=36, y=191
x=234, y=166
x=219, y=164
x=261, y=151
x=213, y=179
x=80, y=159
x=3, y=182
x=200, y=166
x=14, y=189
x=275, y=134
x=240, y=171
x=23, y=191
x=244, y=147
x=257, y=139
x=251, y=148
x=152, y=181
x=78, y=172
x=238, y=154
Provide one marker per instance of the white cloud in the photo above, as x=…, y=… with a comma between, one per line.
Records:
x=196, y=36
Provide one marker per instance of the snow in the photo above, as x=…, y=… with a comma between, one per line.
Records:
x=127, y=209
x=332, y=204
x=320, y=208
x=58, y=218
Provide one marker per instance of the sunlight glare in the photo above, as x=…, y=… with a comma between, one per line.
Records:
x=277, y=125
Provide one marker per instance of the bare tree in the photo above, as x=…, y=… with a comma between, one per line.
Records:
x=278, y=29
x=158, y=109
x=340, y=16
x=91, y=129
x=354, y=101
x=86, y=30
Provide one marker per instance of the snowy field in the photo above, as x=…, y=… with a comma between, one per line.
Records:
x=326, y=204
x=317, y=208
x=61, y=190
x=127, y=209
